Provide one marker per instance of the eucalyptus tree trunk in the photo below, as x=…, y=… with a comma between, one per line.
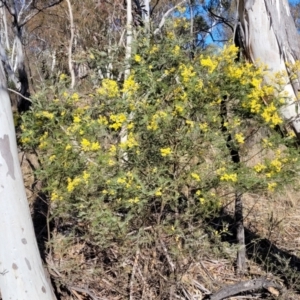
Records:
x=4, y=29
x=128, y=53
x=70, y=50
x=268, y=34
x=22, y=275
x=146, y=15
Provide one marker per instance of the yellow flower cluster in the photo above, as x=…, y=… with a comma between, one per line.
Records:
x=229, y=53
x=239, y=137
x=86, y=176
x=235, y=71
x=273, y=167
x=181, y=22
x=154, y=49
x=102, y=120
x=45, y=114
x=208, y=63
x=165, y=151
x=112, y=150
x=153, y=125
x=109, y=88
x=43, y=141
x=76, y=119
x=195, y=176
x=86, y=145
x=55, y=196
x=270, y=115
x=187, y=73
x=259, y=168
x=176, y=50
x=62, y=77
x=52, y=157
x=137, y=58
x=134, y=200
x=158, y=192
x=170, y=35
x=272, y=186
x=130, y=86
x=190, y=123
x=130, y=142
x=73, y=183
x=203, y=127
x=75, y=97
x=179, y=109
x=181, y=9
x=117, y=120
x=276, y=165
x=127, y=181
x=229, y=177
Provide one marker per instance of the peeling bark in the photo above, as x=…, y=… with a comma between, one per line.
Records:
x=269, y=35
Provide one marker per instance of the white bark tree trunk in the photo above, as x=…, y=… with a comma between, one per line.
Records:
x=146, y=15
x=4, y=36
x=70, y=50
x=22, y=275
x=269, y=35
x=129, y=33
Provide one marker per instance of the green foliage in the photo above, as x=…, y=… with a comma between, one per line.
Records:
x=154, y=150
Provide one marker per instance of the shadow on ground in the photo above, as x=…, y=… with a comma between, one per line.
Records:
x=263, y=252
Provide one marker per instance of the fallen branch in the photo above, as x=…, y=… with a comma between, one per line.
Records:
x=244, y=286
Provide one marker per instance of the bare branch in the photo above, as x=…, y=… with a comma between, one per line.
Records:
x=19, y=94
x=163, y=20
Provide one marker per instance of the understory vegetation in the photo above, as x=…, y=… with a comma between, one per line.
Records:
x=140, y=176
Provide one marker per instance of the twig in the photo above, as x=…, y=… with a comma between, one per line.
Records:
x=208, y=273
x=200, y=287
x=163, y=245
x=83, y=290
x=137, y=255
x=76, y=294
x=186, y=293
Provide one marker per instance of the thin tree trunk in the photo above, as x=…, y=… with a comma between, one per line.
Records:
x=240, y=235
x=146, y=15
x=238, y=209
x=4, y=22
x=23, y=104
x=22, y=274
x=70, y=51
x=129, y=33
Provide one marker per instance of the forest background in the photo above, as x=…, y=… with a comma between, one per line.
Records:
x=138, y=135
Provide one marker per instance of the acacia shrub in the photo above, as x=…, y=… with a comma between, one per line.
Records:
x=174, y=169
